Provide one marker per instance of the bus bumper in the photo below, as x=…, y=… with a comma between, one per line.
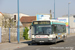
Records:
x=43, y=40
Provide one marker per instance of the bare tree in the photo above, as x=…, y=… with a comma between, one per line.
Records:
x=11, y=23
x=8, y=22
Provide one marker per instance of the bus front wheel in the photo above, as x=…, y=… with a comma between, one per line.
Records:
x=55, y=41
x=64, y=38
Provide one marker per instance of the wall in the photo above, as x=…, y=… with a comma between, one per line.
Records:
x=72, y=22
x=25, y=24
x=13, y=34
x=1, y=18
x=0, y=34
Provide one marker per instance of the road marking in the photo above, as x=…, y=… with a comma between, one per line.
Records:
x=71, y=49
x=38, y=49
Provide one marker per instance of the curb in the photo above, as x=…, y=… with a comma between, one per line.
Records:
x=71, y=34
x=14, y=46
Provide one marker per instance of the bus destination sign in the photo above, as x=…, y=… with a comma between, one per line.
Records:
x=41, y=22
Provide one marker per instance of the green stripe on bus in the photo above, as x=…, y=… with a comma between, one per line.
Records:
x=57, y=23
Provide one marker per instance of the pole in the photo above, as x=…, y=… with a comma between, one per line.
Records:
x=54, y=9
x=68, y=20
x=18, y=34
x=9, y=35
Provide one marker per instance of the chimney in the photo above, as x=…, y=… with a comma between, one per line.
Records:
x=50, y=15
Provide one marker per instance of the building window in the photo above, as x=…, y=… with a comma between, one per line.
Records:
x=74, y=16
x=15, y=21
x=14, y=17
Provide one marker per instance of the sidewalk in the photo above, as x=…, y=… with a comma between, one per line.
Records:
x=13, y=45
x=71, y=34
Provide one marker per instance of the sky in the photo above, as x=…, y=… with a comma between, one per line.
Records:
x=33, y=7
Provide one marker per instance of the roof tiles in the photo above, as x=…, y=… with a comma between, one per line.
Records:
x=27, y=18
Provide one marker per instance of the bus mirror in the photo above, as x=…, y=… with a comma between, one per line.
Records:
x=30, y=27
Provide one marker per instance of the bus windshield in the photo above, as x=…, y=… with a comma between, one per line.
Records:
x=42, y=29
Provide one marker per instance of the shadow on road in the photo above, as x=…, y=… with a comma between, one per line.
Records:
x=28, y=42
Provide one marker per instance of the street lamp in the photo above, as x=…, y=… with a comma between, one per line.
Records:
x=54, y=9
x=18, y=34
x=68, y=19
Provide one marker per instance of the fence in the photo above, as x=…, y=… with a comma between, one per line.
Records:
x=13, y=34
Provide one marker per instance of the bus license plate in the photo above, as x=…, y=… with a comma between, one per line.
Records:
x=41, y=41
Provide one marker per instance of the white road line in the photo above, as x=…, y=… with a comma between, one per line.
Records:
x=38, y=49
x=71, y=49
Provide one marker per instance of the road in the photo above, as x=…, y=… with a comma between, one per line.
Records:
x=69, y=44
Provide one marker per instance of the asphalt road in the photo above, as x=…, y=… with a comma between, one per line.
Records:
x=69, y=44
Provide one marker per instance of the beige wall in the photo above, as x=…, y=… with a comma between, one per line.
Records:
x=26, y=24
x=1, y=18
x=72, y=23
x=13, y=34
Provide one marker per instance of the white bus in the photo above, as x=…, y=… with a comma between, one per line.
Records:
x=48, y=31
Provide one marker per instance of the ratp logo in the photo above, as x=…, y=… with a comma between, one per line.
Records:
x=42, y=15
x=62, y=20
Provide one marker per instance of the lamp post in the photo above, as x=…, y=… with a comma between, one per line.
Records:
x=68, y=19
x=54, y=9
x=18, y=34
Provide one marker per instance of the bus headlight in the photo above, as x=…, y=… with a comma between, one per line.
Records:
x=33, y=36
x=50, y=36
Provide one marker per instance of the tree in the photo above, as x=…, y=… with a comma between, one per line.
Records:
x=25, y=33
x=11, y=23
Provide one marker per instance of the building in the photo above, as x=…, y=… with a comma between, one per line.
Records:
x=15, y=17
x=1, y=19
x=27, y=20
x=6, y=18
x=71, y=22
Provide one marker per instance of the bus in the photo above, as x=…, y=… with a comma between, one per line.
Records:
x=48, y=31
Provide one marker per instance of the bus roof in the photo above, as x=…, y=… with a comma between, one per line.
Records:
x=53, y=21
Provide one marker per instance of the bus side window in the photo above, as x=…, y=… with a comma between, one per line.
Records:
x=64, y=29
x=54, y=28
